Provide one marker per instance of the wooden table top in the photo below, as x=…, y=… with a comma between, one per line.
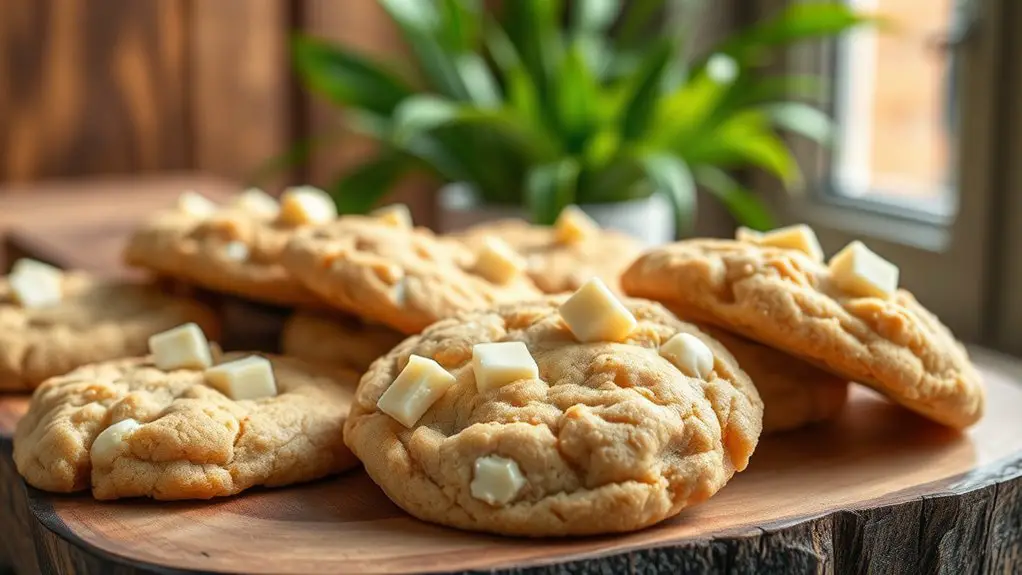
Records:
x=83, y=224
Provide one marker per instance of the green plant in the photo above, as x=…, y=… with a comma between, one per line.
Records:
x=531, y=111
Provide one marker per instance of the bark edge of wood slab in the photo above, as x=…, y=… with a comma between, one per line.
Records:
x=880, y=490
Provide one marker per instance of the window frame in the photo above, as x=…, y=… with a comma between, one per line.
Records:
x=944, y=261
x=1006, y=307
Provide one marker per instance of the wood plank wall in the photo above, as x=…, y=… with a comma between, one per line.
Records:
x=97, y=87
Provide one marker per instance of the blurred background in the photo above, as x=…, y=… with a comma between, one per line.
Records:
x=891, y=121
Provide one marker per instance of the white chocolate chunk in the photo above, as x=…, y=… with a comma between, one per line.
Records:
x=35, y=284
x=689, y=354
x=799, y=237
x=258, y=202
x=747, y=235
x=496, y=480
x=236, y=251
x=306, y=205
x=247, y=378
x=397, y=215
x=498, y=364
x=497, y=261
x=195, y=204
x=573, y=225
x=593, y=313
x=419, y=385
x=112, y=442
x=31, y=266
x=184, y=347
x=860, y=272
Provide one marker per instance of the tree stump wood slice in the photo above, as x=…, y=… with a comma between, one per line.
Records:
x=877, y=491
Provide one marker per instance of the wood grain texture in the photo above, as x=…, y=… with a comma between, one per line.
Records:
x=362, y=25
x=91, y=86
x=240, y=85
x=878, y=491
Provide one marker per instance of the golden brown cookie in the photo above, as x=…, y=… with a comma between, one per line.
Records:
x=784, y=299
x=192, y=442
x=794, y=393
x=558, y=267
x=610, y=437
x=230, y=249
x=95, y=320
x=403, y=278
x=336, y=340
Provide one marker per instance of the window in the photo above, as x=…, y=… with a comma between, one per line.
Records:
x=896, y=107
x=914, y=168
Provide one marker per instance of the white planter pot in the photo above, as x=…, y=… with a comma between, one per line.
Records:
x=650, y=220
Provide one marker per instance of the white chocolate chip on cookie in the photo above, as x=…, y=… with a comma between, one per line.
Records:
x=257, y=202
x=798, y=237
x=689, y=354
x=35, y=284
x=573, y=225
x=593, y=313
x=419, y=385
x=247, y=378
x=397, y=215
x=236, y=251
x=748, y=235
x=501, y=363
x=497, y=480
x=497, y=261
x=184, y=347
x=859, y=271
x=306, y=205
x=195, y=204
x=112, y=441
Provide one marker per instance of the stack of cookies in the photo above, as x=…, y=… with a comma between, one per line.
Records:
x=514, y=379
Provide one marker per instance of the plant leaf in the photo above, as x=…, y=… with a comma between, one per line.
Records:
x=533, y=27
x=636, y=18
x=801, y=119
x=420, y=26
x=798, y=22
x=594, y=16
x=745, y=140
x=647, y=88
x=747, y=209
x=357, y=191
x=757, y=90
x=461, y=24
x=345, y=77
x=576, y=98
x=478, y=80
x=549, y=188
x=673, y=177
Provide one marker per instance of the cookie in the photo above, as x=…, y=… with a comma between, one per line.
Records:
x=233, y=249
x=336, y=340
x=94, y=320
x=794, y=393
x=589, y=438
x=785, y=299
x=558, y=266
x=396, y=276
x=193, y=442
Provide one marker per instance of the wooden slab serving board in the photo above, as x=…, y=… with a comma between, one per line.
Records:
x=880, y=490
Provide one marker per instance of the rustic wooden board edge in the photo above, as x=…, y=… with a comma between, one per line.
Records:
x=961, y=524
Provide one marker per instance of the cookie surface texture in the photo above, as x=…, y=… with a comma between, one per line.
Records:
x=794, y=393
x=403, y=278
x=233, y=251
x=334, y=340
x=192, y=442
x=96, y=320
x=785, y=300
x=558, y=267
x=612, y=437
